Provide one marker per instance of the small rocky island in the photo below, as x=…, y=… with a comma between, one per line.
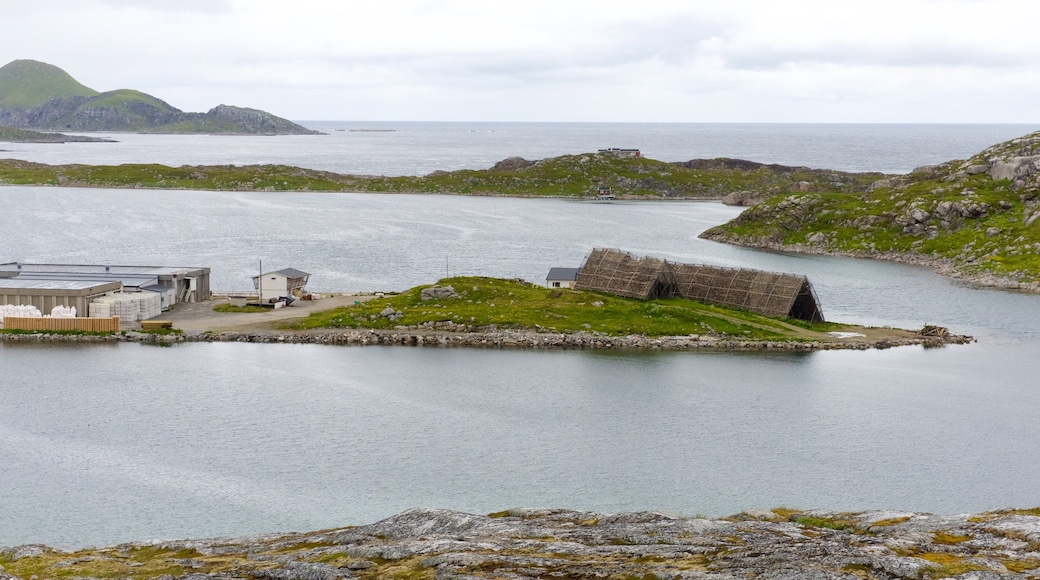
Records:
x=567, y=544
x=42, y=97
x=11, y=135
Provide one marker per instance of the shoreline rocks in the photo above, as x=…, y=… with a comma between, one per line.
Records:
x=497, y=339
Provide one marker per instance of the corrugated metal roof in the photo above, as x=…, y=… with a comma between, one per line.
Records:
x=28, y=284
x=125, y=279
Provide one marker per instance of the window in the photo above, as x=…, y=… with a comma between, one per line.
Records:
x=555, y=284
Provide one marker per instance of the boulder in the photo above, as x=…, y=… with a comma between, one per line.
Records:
x=438, y=293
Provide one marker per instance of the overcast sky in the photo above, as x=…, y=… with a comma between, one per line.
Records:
x=900, y=61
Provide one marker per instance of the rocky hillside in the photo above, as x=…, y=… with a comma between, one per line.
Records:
x=977, y=219
x=39, y=96
x=548, y=544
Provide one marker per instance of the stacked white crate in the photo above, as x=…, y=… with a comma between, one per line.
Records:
x=99, y=309
x=128, y=306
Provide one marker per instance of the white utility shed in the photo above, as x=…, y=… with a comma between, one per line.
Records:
x=284, y=282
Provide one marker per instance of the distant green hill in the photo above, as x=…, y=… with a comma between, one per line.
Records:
x=30, y=83
x=42, y=97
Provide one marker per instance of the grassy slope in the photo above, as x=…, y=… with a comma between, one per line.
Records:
x=971, y=224
x=497, y=303
x=569, y=175
x=29, y=83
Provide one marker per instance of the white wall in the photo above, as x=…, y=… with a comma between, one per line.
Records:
x=274, y=285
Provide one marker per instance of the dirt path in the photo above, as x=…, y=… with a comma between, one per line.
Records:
x=200, y=317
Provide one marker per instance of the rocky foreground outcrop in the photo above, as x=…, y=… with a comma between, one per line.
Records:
x=566, y=544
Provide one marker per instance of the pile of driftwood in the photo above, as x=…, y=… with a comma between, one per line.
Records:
x=931, y=330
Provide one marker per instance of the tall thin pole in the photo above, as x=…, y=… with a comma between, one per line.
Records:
x=260, y=284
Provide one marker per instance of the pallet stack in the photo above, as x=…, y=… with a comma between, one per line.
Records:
x=128, y=306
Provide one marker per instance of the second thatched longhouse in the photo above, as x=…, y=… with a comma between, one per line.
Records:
x=767, y=293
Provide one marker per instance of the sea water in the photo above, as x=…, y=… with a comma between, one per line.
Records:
x=111, y=443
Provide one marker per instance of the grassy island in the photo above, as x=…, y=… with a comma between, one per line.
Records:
x=482, y=304
x=565, y=176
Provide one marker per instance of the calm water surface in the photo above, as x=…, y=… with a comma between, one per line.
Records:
x=104, y=444
x=412, y=148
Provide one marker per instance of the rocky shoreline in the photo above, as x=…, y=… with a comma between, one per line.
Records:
x=498, y=339
x=567, y=544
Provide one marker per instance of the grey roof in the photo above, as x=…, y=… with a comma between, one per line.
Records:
x=287, y=272
x=104, y=269
x=568, y=274
x=28, y=284
x=126, y=279
x=293, y=273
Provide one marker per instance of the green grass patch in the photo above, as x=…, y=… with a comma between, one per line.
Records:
x=829, y=523
x=490, y=303
x=162, y=331
x=229, y=307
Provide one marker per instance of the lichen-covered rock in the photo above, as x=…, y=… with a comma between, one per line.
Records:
x=438, y=293
x=558, y=543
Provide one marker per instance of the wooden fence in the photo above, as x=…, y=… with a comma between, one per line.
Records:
x=110, y=324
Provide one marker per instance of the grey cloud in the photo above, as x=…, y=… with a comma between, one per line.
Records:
x=935, y=55
x=191, y=6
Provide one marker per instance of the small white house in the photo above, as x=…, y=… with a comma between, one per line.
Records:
x=285, y=282
x=561, y=277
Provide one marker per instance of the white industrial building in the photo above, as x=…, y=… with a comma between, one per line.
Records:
x=140, y=292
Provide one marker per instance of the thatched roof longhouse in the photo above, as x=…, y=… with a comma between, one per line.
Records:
x=766, y=293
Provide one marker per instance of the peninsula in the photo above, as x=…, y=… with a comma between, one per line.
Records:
x=522, y=544
x=482, y=312
x=976, y=219
x=39, y=96
x=10, y=135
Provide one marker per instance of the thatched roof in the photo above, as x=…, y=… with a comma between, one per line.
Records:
x=767, y=293
x=623, y=274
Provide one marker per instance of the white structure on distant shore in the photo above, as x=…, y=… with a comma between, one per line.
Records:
x=285, y=282
x=561, y=277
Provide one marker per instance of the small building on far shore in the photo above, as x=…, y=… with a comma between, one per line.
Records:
x=561, y=277
x=619, y=152
x=284, y=282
